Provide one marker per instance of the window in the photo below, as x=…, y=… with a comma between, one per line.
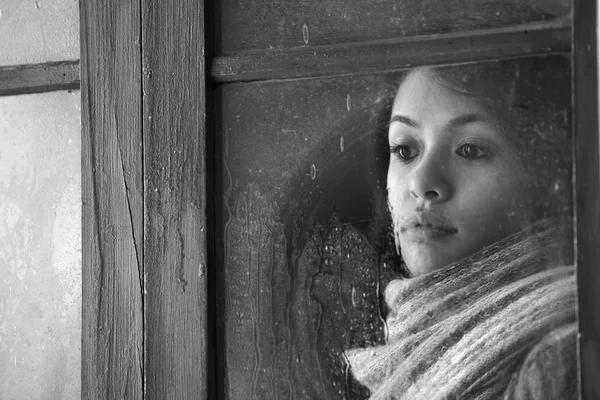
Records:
x=156, y=266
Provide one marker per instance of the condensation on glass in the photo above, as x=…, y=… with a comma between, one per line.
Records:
x=38, y=31
x=265, y=24
x=308, y=242
x=40, y=246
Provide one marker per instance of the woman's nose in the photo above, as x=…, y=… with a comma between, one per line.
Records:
x=429, y=182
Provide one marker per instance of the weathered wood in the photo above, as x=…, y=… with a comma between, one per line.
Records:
x=37, y=78
x=175, y=199
x=373, y=56
x=264, y=24
x=587, y=184
x=112, y=191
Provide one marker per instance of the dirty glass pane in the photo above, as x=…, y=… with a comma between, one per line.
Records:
x=405, y=234
x=40, y=246
x=263, y=24
x=38, y=31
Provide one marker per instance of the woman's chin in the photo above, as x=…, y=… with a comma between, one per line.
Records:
x=421, y=261
x=422, y=269
x=428, y=256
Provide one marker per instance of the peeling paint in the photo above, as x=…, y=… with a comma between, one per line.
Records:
x=182, y=279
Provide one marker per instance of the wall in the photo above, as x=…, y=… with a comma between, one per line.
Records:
x=40, y=246
x=40, y=210
x=37, y=31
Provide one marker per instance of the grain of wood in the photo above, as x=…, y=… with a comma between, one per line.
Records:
x=112, y=190
x=175, y=201
x=37, y=78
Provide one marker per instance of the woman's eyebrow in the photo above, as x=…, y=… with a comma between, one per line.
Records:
x=454, y=123
x=465, y=120
x=405, y=120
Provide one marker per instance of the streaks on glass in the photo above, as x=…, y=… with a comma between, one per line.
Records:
x=288, y=323
x=300, y=277
x=257, y=281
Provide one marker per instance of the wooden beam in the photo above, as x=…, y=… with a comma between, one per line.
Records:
x=37, y=78
x=175, y=248
x=368, y=57
x=587, y=194
x=112, y=193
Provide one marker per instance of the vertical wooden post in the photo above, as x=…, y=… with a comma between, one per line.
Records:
x=112, y=192
x=587, y=183
x=174, y=137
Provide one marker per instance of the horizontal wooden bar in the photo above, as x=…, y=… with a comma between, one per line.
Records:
x=36, y=78
x=360, y=57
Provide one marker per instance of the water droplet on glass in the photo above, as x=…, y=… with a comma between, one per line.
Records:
x=305, y=33
x=313, y=171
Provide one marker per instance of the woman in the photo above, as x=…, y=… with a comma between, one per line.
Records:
x=478, y=178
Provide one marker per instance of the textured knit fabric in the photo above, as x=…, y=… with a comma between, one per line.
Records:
x=499, y=324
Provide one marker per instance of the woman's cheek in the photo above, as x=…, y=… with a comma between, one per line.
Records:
x=394, y=204
x=394, y=188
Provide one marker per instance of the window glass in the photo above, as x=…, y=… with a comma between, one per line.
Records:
x=384, y=233
x=40, y=246
x=276, y=25
x=38, y=31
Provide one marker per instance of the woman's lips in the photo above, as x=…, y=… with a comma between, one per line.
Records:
x=423, y=231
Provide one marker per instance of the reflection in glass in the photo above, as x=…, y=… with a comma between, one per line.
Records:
x=401, y=235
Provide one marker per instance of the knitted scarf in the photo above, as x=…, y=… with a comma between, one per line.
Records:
x=465, y=330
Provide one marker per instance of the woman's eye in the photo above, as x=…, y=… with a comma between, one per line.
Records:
x=471, y=152
x=404, y=153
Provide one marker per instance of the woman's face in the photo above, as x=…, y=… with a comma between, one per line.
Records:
x=455, y=185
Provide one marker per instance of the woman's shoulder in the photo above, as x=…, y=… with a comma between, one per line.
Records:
x=550, y=368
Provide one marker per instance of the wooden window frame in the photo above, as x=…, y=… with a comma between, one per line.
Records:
x=149, y=244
